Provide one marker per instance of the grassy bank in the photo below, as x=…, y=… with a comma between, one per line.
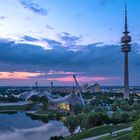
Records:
x=13, y=108
x=48, y=113
x=99, y=131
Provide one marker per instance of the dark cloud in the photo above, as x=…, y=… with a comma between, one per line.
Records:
x=34, y=7
x=2, y=17
x=28, y=18
x=28, y=38
x=100, y=4
x=97, y=60
x=104, y=2
x=69, y=40
x=49, y=27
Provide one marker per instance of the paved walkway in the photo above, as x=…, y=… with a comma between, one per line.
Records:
x=118, y=131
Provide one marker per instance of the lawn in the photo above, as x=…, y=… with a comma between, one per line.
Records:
x=48, y=113
x=99, y=131
x=45, y=112
x=13, y=108
x=41, y=113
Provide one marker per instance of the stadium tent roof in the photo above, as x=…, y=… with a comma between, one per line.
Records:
x=26, y=95
x=72, y=99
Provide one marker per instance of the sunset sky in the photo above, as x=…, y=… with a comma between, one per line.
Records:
x=50, y=40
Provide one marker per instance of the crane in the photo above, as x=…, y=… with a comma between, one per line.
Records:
x=80, y=92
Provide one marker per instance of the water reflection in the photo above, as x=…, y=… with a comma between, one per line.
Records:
x=43, y=119
x=20, y=127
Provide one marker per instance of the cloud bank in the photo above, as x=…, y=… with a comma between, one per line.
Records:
x=91, y=62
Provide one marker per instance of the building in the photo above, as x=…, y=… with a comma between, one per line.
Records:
x=96, y=87
x=66, y=102
x=126, y=48
x=85, y=88
x=28, y=94
x=55, y=100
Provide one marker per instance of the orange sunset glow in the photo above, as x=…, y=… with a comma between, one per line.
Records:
x=18, y=75
x=29, y=75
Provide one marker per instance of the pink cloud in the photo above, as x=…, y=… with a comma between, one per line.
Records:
x=81, y=79
x=18, y=75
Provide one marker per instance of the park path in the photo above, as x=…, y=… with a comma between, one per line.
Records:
x=117, y=131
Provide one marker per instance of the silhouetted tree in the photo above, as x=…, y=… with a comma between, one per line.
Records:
x=71, y=123
x=77, y=109
x=95, y=119
x=81, y=118
x=44, y=102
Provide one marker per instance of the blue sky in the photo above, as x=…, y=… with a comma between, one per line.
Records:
x=51, y=40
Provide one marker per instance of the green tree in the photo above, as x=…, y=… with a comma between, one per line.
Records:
x=114, y=107
x=125, y=117
x=34, y=98
x=86, y=108
x=136, y=130
x=98, y=109
x=44, y=102
x=135, y=106
x=116, y=118
x=124, y=105
x=81, y=118
x=77, y=109
x=94, y=102
x=56, y=138
x=134, y=115
x=71, y=123
x=96, y=119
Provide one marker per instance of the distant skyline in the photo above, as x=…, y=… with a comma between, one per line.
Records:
x=52, y=40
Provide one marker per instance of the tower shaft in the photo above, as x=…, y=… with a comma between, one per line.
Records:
x=126, y=76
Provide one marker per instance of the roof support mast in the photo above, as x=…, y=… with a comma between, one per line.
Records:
x=80, y=92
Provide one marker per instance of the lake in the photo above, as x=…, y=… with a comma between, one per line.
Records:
x=18, y=126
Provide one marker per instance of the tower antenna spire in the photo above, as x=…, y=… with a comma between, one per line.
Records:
x=126, y=25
